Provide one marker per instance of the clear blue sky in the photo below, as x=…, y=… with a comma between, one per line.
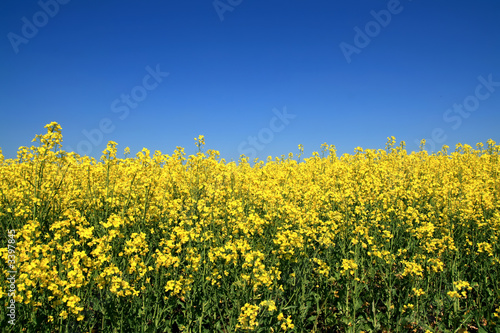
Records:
x=349, y=73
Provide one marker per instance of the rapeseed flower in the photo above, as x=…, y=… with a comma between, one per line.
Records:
x=175, y=227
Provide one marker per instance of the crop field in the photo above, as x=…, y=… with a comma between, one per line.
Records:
x=375, y=241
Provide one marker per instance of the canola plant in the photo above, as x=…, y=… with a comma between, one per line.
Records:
x=379, y=240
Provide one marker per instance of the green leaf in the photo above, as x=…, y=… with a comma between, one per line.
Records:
x=481, y=330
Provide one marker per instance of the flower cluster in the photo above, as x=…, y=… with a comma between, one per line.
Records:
x=330, y=241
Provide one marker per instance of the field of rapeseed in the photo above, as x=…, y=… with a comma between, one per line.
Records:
x=381, y=240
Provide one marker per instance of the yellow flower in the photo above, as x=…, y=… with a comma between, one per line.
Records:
x=175, y=224
x=287, y=324
x=412, y=269
x=407, y=307
x=418, y=292
x=270, y=305
x=248, y=317
x=348, y=265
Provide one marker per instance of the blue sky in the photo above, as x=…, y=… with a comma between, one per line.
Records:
x=254, y=77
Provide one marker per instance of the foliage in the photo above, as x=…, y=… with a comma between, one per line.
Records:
x=381, y=240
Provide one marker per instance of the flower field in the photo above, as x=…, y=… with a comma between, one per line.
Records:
x=380, y=240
